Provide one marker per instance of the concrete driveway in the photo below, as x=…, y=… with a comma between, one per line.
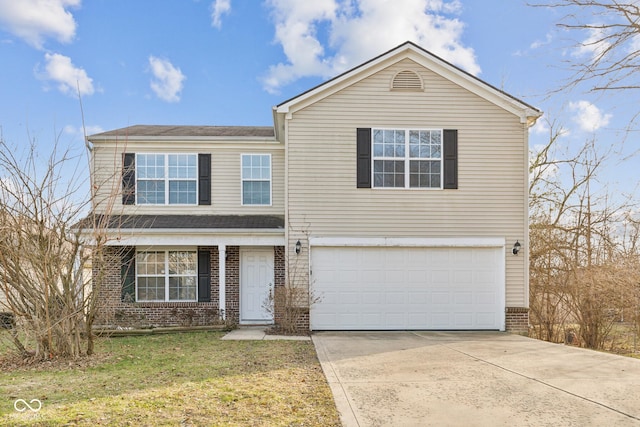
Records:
x=475, y=379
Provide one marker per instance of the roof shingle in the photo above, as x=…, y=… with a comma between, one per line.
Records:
x=188, y=131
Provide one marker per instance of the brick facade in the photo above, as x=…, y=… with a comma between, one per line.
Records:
x=114, y=313
x=232, y=288
x=517, y=320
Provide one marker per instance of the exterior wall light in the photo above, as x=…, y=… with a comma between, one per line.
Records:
x=516, y=248
x=298, y=247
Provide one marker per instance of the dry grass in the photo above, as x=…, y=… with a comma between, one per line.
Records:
x=190, y=379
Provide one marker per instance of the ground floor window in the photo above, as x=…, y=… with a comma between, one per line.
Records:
x=166, y=275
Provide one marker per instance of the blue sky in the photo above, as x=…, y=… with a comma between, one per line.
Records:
x=227, y=62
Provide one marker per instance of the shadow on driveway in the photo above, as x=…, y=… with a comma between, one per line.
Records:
x=475, y=379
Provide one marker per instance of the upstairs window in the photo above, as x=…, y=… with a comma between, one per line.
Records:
x=407, y=158
x=163, y=179
x=256, y=179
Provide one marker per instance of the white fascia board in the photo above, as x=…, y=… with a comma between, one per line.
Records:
x=178, y=139
x=426, y=242
x=196, y=237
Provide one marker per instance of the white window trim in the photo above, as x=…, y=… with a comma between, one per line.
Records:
x=166, y=179
x=406, y=159
x=242, y=180
x=166, y=251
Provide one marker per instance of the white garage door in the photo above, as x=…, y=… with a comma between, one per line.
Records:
x=378, y=288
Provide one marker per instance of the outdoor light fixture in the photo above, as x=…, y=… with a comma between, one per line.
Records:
x=516, y=248
x=298, y=247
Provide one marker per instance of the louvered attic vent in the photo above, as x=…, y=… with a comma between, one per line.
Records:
x=406, y=80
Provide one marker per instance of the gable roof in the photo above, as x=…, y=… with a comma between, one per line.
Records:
x=158, y=132
x=527, y=113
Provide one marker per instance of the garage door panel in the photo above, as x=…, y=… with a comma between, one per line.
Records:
x=463, y=298
x=407, y=288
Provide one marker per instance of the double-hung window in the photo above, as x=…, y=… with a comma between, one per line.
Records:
x=407, y=158
x=163, y=179
x=166, y=275
x=256, y=179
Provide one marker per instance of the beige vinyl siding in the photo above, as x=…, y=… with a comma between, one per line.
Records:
x=226, y=185
x=491, y=195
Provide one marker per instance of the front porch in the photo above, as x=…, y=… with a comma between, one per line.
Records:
x=155, y=276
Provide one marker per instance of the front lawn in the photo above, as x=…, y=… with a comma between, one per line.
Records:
x=189, y=379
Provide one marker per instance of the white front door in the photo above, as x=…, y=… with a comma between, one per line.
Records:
x=256, y=281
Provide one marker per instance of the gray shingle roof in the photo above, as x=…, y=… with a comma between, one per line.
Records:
x=187, y=222
x=188, y=131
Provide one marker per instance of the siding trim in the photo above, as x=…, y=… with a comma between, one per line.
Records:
x=435, y=242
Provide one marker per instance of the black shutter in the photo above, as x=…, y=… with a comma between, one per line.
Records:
x=450, y=158
x=128, y=274
x=128, y=178
x=204, y=276
x=363, y=162
x=204, y=179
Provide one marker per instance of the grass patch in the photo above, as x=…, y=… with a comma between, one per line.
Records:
x=188, y=379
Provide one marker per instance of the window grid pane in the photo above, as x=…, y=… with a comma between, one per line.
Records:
x=150, y=192
x=151, y=281
x=424, y=174
x=256, y=179
x=182, y=275
x=182, y=192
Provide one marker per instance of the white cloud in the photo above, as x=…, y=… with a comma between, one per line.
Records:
x=589, y=117
x=79, y=131
x=542, y=43
x=70, y=79
x=219, y=8
x=634, y=44
x=167, y=80
x=540, y=128
x=357, y=30
x=594, y=45
x=36, y=20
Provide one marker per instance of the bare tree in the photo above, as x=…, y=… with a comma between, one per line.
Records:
x=583, y=247
x=45, y=254
x=611, y=42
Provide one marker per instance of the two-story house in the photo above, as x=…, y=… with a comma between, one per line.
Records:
x=394, y=194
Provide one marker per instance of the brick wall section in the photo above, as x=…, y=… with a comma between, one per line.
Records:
x=113, y=312
x=232, y=285
x=517, y=320
x=301, y=314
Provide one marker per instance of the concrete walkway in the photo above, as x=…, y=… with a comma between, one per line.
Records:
x=475, y=379
x=257, y=333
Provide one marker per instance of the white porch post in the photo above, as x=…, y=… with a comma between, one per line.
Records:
x=222, y=259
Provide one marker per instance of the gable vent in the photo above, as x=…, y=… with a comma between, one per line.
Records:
x=406, y=80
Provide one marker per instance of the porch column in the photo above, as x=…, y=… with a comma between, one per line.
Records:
x=222, y=259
